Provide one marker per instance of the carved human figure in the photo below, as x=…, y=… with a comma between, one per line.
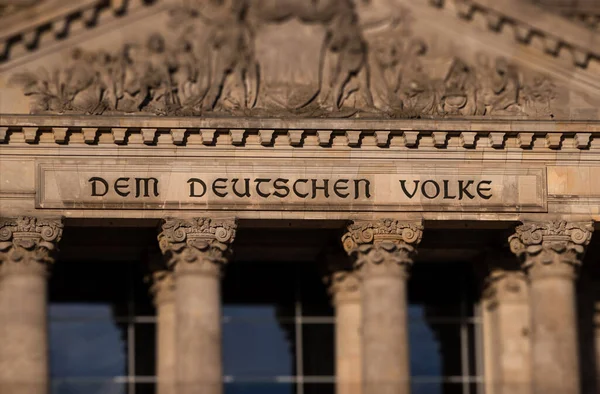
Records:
x=498, y=86
x=550, y=254
x=192, y=75
x=230, y=50
x=458, y=95
x=214, y=68
x=27, y=247
x=111, y=73
x=344, y=64
x=383, y=251
x=386, y=73
x=147, y=76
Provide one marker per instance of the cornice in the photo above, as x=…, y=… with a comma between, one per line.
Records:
x=476, y=133
x=557, y=33
x=53, y=20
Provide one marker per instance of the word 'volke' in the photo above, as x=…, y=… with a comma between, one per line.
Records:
x=432, y=189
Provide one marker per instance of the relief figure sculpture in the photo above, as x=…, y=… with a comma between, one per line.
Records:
x=208, y=62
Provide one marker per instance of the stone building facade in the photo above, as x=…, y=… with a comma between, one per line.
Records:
x=289, y=196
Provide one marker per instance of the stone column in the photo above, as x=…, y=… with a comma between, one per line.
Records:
x=509, y=343
x=344, y=287
x=383, y=252
x=196, y=250
x=27, y=245
x=163, y=289
x=551, y=253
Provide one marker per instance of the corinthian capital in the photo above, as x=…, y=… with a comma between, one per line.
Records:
x=200, y=244
x=385, y=246
x=27, y=244
x=555, y=245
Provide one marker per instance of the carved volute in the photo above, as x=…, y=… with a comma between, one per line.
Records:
x=551, y=248
x=28, y=244
x=384, y=247
x=199, y=245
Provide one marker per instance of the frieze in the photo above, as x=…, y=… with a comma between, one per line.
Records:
x=212, y=185
x=210, y=62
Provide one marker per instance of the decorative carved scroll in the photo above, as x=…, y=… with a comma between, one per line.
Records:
x=28, y=244
x=210, y=64
x=551, y=244
x=384, y=247
x=201, y=242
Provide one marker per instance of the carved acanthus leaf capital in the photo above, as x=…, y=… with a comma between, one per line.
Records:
x=201, y=243
x=28, y=244
x=551, y=244
x=385, y=246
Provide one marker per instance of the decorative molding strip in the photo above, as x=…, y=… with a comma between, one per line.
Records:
x=54, y=21
x=471, y=134
x=582, y=44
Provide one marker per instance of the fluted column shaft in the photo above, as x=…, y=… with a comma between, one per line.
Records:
x=507, y=302
x=383, y=252
x=163, y=288
x=26, y=248
x=551, y=253
x=344, y=286
x=196, y=250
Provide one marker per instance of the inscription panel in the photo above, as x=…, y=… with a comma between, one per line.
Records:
x=286, y=187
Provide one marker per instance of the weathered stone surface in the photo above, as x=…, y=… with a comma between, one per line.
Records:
x=383, y=252
x=551, y=253
x=163, y=292
x=27, y=246
x=358, y=60
x=344, y=286
x=196, y=250
x=507, y=324
x=348, y=187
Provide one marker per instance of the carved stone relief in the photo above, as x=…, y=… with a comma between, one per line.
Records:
x=200, y=243
x=550, y=246
x=28, y=244
x=384, y=247
x=211, y=62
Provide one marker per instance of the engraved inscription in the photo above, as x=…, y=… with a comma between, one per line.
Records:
x=279, y=187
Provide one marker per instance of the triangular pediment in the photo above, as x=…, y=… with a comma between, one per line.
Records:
x=296, y=58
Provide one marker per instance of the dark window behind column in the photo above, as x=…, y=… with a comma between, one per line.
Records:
x=101, y=328
x=278, y=329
